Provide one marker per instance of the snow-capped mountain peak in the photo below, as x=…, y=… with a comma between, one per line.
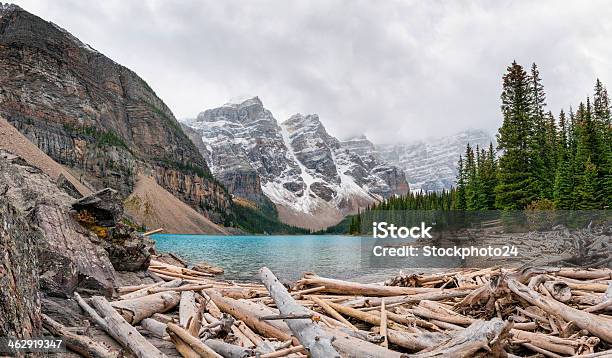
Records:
x=313, y=180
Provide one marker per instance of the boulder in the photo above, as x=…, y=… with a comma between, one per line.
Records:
x=105, y=205
x=65, y=184
x=127, y=249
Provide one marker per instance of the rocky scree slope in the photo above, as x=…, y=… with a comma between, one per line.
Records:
x=99, y=118
x=309, y=175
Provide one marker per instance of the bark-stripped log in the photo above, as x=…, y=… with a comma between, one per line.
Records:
x=155, y=327
x=363, y=289
x=137, y=309
x=195, y=344
x=230, y=306
x=189, y=314
x=228, y=350
x=123, y=332
x=314, y=339
x=146, y=290
x=83, y=345
x=481, y=335
x=595, y=324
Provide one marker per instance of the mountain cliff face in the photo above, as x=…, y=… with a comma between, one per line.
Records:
x=432, y=165
x=311, y=177
x=94, y=115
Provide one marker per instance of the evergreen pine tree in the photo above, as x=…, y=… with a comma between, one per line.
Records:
x=586, y=197
x=460, y=200
x=564, y=186
x=471, y=186
x=516, y=186
x=587, y=153
x=540, y=154
x=603, y=121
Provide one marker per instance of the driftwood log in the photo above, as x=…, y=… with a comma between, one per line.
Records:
x=155, y=327
x=83, y=345
x=314, y=339
x=202, y=349
x=227, y=350
x=137, y=309
x=123, y=332
x=601, y=327
x=189, y=314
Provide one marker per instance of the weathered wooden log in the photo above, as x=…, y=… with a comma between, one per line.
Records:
x=350, y=346
x=194, y=288
x=559, y=290
x=363, y=335
x=83, y=345
x=155, y=327
x=383, y=324
x=162, y=266
x=90, y=311
x=466, y=343
x=145, y=290
x=189, y=314
x=332, y=312
x=365, y=316
x=283, y=352
x=195, y=344
x=228, y=350
x=585, y=274
x=137, y=309
x=128, y=289
x=314, y=339
x=230, y=306
x=392, y=300
x=550, y=343
x=597, y=325
x=183, y=348
x=151, y=232
x=123, y=332
x=363, y=289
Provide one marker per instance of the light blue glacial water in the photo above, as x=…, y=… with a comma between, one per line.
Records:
x=287, y=256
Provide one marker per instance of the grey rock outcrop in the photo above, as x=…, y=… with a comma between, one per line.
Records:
x=105, y=205
x=19, y=297
x=68, y=254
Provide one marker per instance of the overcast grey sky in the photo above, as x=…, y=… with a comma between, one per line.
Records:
x=393, y=70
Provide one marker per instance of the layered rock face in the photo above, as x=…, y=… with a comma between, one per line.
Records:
x=308, y=174
x=19, y=299
x=94, y=115
x=68, y=254
x=431, y=165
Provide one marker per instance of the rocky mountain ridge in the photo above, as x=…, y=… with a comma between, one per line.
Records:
x=311, y=177
x=95, y=116
x=431, y=165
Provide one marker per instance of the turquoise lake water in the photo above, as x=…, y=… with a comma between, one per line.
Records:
x=287, y=256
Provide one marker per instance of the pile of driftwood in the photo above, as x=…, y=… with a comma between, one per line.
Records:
x=493, y=312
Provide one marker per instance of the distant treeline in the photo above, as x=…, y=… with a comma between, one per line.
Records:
x=540, y=163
